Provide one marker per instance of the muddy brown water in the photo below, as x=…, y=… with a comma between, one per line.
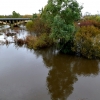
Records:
x=46, y=75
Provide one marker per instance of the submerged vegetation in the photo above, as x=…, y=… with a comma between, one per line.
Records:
x=87, y=38
x=56, y=20
x=87, y=42
x=63, y=23
x=38, y=42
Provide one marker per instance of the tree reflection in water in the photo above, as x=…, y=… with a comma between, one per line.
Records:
x=64, y=70
x=60, y=79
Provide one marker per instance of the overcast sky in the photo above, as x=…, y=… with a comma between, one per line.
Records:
x=33, y=6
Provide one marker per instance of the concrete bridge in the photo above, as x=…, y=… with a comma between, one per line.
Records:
x=13, y=20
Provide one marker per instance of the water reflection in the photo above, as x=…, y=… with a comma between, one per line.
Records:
x=60, y=81
x=64, y=71
x=86, y=67
x=22, y=75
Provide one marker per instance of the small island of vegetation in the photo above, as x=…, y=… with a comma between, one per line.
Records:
x=61, y=23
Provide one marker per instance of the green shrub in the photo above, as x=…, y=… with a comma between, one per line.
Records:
x=20, y=42
x=92, y=17
x=29, y=25
x=30, y=40
x=87, y=42
x=38, y=42
x=40, y=26
x=43, y=41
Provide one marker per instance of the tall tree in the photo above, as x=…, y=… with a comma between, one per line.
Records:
x=61, y=15
x=69, y=10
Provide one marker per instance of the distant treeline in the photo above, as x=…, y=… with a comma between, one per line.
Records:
x=15, y=15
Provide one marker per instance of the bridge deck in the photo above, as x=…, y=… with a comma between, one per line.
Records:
x=6, y=19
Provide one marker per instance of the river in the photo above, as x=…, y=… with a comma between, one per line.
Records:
x=46, y=75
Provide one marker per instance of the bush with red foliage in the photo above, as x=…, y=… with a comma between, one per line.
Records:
x=88, y=22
